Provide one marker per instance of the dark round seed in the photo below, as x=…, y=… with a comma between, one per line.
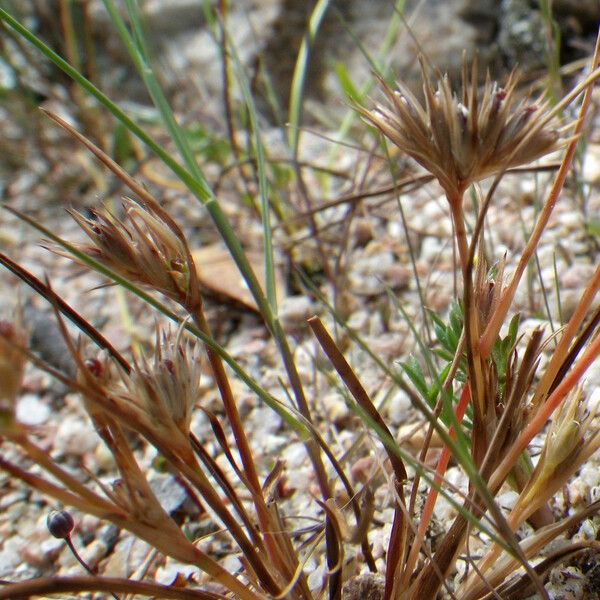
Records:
x=60, y=523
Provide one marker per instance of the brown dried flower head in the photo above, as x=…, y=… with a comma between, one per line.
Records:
x=141, y=247
x=463, y=137
x=167, y=386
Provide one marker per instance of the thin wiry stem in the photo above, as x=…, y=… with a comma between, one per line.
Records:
x=495, y=323
x=246, y=454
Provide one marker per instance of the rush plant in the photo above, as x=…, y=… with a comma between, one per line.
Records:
x=484, y=394
x=462, y=137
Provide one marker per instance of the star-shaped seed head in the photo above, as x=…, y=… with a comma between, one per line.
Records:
x=464, y=136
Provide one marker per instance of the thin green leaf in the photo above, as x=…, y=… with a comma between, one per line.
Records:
x=426, y=475
x=259, y=152
x=199, y=187
x=343, y=77
x=299, y=76
x=138, y=53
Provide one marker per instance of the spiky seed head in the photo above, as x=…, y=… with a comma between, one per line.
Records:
x=464, y=136
x=166, y=386
x=142, y=247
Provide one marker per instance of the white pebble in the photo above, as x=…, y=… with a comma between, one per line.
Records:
x=31, y=410
x=75, y=436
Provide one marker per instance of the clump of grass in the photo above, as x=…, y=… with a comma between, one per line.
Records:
x=486, y=404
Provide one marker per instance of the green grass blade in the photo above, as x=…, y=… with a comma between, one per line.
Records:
x=299, y=76
x=138, y=52
x=345, y=82
x=198, y=187
x=426, y=475
x=411, y=250
x=259, y=152
x=459, y=452
x=376, y=64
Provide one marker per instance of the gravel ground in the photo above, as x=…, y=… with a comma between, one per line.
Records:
x=368, y=249
x=375, y=261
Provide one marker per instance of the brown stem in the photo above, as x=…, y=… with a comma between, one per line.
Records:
x=171, y=543
x=358, y=392
x=460, y=233
x=69, y=542
x=431, y=577
x=72, y=485
x=355, y=387
x=55, y=585
x=233, y=416
x=471, y=325
x=189, y=467
x=569, y=332
x=312, y=446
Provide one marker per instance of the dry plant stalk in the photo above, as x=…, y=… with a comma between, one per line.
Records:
x=12, y=366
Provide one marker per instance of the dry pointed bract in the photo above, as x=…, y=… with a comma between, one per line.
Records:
x=463, y=136
x=571, y=439
x=168, y=385
x=142, y=247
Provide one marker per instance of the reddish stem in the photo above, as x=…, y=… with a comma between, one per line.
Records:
x=459, y=411
x=82, y=562
x=545, y=411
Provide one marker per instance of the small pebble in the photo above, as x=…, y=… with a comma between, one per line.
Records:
x=336, y=409
x=31, y=410
x=11, y=555
x=172, y=571
x=75, y=436
x=294, y=310
x=398, y=407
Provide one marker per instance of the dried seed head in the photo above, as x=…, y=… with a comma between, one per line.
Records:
x=12, y=367
x=143, y=247
x=167, y=386
x=463, y=137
